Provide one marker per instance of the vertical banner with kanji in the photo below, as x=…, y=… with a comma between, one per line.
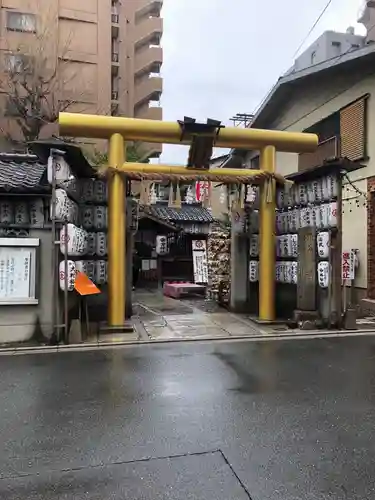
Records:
x=202, y=190
x=348, y=265
x=200, y=261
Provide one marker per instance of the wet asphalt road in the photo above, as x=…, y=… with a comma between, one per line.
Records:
x=227, y=421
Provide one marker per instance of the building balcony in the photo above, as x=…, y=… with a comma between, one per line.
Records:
x=148, y=89
x=114, y=96
x=115, y=24
x=115, y=63
x=148, y=32
x=326, y=150
x=148, y=60
x=147, y=112
x=148, y=8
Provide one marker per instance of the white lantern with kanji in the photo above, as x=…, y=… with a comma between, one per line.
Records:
x=161, y=245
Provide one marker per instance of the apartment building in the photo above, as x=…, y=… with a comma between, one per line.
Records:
x=99, y=56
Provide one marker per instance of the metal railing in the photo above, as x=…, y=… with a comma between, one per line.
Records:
x=326, y=150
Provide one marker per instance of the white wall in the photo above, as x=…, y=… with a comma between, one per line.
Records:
x=324, y=49
x=17, y=322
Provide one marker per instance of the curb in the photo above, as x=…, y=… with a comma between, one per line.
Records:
x=239, y=338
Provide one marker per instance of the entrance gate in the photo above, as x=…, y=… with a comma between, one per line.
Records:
x=118, y=130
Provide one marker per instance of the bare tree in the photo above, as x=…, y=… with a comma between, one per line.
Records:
x=34, y=79
x=134, y=154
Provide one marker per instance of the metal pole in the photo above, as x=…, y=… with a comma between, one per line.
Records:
x=267, y=258
x=116, y=234
x=54, y=255
x=66, y=293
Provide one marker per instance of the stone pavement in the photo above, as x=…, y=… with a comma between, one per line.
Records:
x=163, y=318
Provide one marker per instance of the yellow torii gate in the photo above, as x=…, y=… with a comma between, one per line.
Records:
x=119, y=129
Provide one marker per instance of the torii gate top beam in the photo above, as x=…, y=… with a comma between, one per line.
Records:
x=134, y=129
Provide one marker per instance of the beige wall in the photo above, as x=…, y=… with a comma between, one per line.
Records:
x=308, y=107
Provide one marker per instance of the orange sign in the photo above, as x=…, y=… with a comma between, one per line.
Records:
x=84, y=286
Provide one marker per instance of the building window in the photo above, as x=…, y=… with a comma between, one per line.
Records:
x=21, y=22
x=313, y=57
x=17, y=63
x=353, y=130
x=336, y=48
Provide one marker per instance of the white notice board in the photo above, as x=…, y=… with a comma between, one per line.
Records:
x=200, y=261
x=17, y=271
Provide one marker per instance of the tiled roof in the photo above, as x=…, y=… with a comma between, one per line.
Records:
x=21, y=172
x=187, y=213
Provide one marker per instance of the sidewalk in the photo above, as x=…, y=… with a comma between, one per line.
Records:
x=163, y=318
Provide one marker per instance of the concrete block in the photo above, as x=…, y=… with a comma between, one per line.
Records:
x=75, y=332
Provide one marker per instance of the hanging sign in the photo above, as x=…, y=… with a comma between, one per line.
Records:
x=201, y=190
x=348, y=265
x=84, y=286
x=200, y=261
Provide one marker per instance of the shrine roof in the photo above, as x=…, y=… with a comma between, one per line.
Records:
x=188, y=213
x=22, y=173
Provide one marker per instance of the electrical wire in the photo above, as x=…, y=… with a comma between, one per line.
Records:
x=319, y=18
x=313, y=27
x=338, y=93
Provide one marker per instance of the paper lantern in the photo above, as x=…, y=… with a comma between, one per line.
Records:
x=302, y=194
x=294, y=273
x=254, y=245
x=253, y=271
x=71, y=275
x=56, y=165
x=76, y=240
x=323, y=274
x=294, y=245
x=161, y=245
x=323, y=242
x=332, y=214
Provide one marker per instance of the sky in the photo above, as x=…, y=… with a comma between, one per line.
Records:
x=221, y=57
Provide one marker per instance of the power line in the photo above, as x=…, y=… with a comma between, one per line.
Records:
x=313, y=27
x=319, y=18
x=337, y=94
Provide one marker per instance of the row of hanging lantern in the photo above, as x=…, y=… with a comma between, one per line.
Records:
x=200, y=192
x=236, y=196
